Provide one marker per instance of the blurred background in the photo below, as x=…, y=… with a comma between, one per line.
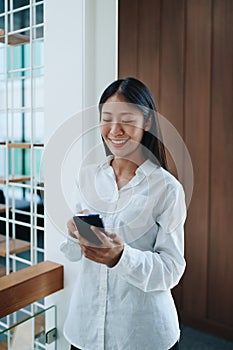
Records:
x=183, y=50
x=55, y=60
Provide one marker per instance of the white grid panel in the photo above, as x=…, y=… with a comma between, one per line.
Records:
x=21, y=140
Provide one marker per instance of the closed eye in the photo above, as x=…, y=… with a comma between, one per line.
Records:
x=128, y=121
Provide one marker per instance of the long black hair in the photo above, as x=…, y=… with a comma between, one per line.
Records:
x=137, y=93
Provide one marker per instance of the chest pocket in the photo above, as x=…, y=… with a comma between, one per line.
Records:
x=135, y=218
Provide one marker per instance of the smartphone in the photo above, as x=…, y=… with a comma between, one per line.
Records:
x=83, y=223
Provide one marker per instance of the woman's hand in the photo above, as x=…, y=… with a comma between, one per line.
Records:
x=108, y=253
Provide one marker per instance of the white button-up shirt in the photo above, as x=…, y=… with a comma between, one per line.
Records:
x=129, y=306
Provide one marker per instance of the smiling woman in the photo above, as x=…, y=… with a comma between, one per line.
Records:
x=136, y=100
x=122, y=128
x=127, y=303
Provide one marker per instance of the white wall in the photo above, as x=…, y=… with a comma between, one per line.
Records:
x=80, y=40
x=101, y=60
x=101, y=42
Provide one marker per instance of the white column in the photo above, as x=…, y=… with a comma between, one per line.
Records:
x=80, y=40
x=100, y=64
x=101, y=47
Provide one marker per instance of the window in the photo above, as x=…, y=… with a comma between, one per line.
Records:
x=21, y=138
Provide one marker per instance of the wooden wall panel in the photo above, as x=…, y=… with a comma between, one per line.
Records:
x=172, y=84
x=197, y=121
x=128, y=31
x=183, y=50
x=149, y=44
x=220, y=298
x=172, y=62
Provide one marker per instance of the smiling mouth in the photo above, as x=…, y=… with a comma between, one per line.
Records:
x=118, y=142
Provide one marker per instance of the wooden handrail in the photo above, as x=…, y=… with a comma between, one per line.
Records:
x=21, y=288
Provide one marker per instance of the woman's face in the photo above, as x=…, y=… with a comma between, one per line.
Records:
x=122, y=127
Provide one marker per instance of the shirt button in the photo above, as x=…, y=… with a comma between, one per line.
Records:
x=103, y=289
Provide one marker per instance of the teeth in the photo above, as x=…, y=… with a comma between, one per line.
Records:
x=119, y=142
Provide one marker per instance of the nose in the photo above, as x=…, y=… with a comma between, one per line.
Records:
x=116, y=129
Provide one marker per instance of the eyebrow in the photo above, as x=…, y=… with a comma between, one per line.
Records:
x=122, y=113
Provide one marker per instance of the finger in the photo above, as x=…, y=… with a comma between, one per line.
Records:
x=89, y=251
x=115, y=238
x=111, y=235
x=85, y=242
x=84, y=211
x=92, y=257
x=102, y=237
x=71, y=225
x=108, y=234
x=76, y=234
x=72, y=228
x=95, y=252
x=86, y=252
x=92, y=254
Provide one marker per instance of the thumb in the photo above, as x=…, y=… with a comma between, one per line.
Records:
x=84, y=211
x=115, y=238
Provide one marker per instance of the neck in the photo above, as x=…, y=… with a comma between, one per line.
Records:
x=127, y=165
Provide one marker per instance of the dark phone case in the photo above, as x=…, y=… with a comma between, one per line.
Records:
x=83, y=223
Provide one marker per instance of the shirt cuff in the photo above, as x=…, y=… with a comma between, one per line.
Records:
x=71, y=249
x=126, y=262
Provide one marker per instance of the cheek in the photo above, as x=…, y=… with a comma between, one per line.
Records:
x=134, y=131
x=104, y=130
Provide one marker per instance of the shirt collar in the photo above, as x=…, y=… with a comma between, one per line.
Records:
x=145, y=168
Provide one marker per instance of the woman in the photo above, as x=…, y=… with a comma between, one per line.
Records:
x=122, y=297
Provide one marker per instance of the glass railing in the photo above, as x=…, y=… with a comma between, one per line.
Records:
x=35, y=332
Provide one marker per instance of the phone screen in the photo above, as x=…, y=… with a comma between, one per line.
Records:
x=83, y=223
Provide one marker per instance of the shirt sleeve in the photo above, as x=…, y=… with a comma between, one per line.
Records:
x=162, y=268
x=71, y=249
